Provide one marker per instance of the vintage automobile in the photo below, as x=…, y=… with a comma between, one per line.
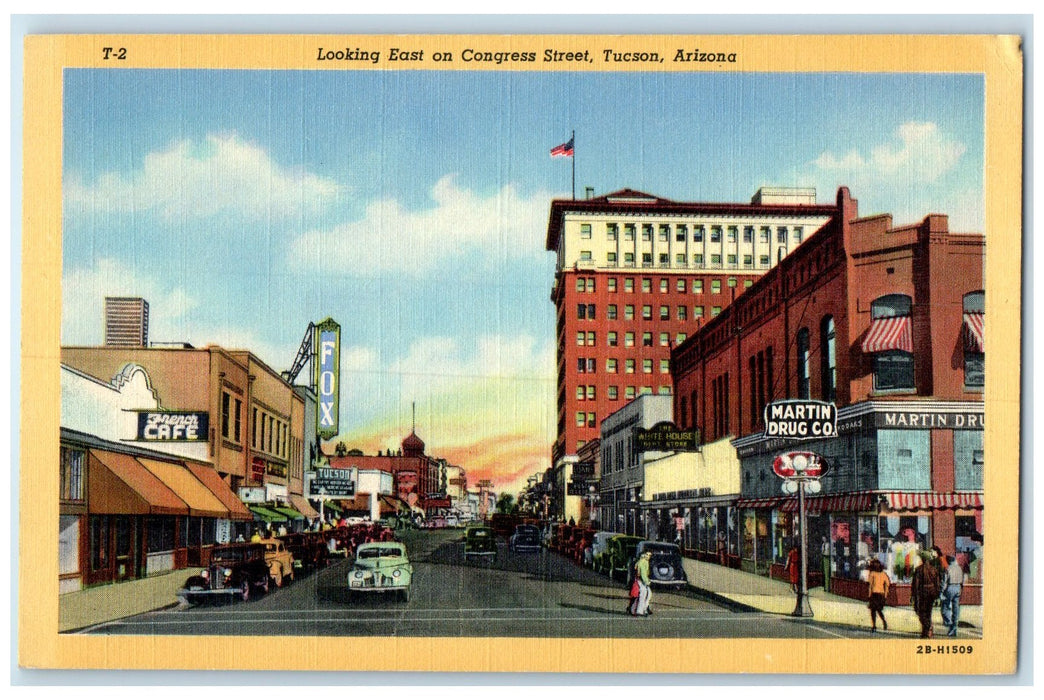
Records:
x=480, y=541
x=235, y=571
x=525, y=539
x=581, y=547
x=280, y=561
x=665, y=566
x=618, y=554
x=381, y=567
x=598, y=548
x=308, y=550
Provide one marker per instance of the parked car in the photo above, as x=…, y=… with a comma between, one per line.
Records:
x=598, y=548
x=235, y=571
x=665, y=566
x=480, y=541
x=525, y=539
x=381, y=567
x=308, y=550
x=581, y=547
x=619, y=553
x=280, y=561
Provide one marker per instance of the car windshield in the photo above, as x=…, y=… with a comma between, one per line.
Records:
x=660, y=548
x=375, y=552
x=479, y=533
x=527, y=530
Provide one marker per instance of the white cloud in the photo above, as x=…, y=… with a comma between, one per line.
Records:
x=920, y=152
x=389, y=237
x=83, y=301
x=223, y=174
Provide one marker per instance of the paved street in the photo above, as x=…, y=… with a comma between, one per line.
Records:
x=519, y=595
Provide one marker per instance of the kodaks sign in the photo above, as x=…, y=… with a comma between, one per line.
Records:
x=800, y=419
x=327, y=377
x=172, y=426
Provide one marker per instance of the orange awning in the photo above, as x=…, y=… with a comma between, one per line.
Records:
x=213, y=481
x=301, y=504
x=975, y=332
x=891, y=333
x=200, y=500
x=119, y=484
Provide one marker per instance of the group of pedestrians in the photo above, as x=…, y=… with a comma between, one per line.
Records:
x=641, y=592
x=937, y=579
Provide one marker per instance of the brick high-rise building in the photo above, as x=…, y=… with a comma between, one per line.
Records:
x=636, y=274
x=126, y=322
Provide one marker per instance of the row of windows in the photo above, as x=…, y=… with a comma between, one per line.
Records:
x=231, y=417
x=732, y=262
x=612, y=338
x=699, y=232
x=270, y=434
x=588, y=365
x=588, y=312
x=681, y=284
x=613, y=393
x=70, y=474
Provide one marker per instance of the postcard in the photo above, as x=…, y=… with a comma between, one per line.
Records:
x=530, y=353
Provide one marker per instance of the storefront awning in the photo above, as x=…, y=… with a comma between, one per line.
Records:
x=331, y=507
x=121, y=485
x=859, y=502
x=867, y=502
x=267, y=515
x=761, y=502
x=200, y=500
x=928, y=500
x=289, y=512
x=891, y=333
x=301, y=504
x=213, y=481
x=975, y=332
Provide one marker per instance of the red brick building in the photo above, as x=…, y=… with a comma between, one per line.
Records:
x=416, y=476
x=636, y=274
x=886, y=322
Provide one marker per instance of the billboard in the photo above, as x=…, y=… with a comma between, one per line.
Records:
x=333, y=482
x=327, y=378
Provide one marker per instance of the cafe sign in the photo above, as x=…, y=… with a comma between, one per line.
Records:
x=665, y=436
x=173, y=426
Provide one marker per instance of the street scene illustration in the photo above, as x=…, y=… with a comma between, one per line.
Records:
x=489, y=353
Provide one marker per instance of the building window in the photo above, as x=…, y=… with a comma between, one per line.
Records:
x=664, y=285
x=697, y=312
x=591, y=312
x=611, y=232
x=799, y=234
x=697, y=234
x=763, y=260
x=974, y=330
x=70, y=474
x=683, y=313
x=747, y=283
x=679, y=259
x=679, y=285
x=628, y=232
x=610, y=365
x=803, y=358
x=646, y=285
x=893, y=370
x=697, y=259
x=585, y=230
x=665, y=366
x=781, y=234
x=715, y=286
x=665, y=339
x=890, y=342
x=591, y=420
x=647, y=312
x=646, y=390
x=581, y=367
x=715, y=234
x=581, y=311
x=765, y=234
x=664, y=390
x=646, y=259
x=665, y=313
x=610, y=259
x=647, y=340
x=610, y=312
x=665, y=260
x=629, y=312
x=590, y=392
x=629, y=366
x=580, y=392
x=733, y=232
x=731, y=260
x=680, y=232
x=237, y=421
x=715, y=260
x=748, y=261
x=748, y=234
x=629, y=392
x=647, y=366
x=585, y=256
x=590, y=365
x=580, y=337
x=581, y=284
x=581, y=419
x=828, y=359
x=629, y=284
x=231, y=417
x=612, y=284
x=628, y=259
x=611, y=339
x=253, y=430
x=697, y=286
x=646, y=232
x=715, y=310
x=629, y=339
x=613, y=392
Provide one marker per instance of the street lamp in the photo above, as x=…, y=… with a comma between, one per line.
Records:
x=801, y=472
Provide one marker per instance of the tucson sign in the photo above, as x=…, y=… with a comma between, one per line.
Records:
x=800, y=419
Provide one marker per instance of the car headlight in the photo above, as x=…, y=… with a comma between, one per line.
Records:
x=227, y=572
x=396, y=573
x=358, y=574
x=205, y=574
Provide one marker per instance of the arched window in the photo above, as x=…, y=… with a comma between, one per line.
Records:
x=974, y=331
x=803, y=372
x=890, y=341
x=828, y=359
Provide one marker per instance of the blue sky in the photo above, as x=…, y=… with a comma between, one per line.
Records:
x=412, y=208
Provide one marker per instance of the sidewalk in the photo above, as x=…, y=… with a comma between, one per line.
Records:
x=92, y=606
x=763, y=594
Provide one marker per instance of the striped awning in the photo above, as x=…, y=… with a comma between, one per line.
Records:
x=928, y=500
x=975, y=332
x=891, y=333
x=866, y=501
x=762, y=502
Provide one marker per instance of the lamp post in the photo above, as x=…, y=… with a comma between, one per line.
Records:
x=800, y=472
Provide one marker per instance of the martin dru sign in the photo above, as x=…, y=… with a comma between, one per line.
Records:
x=800, y=419
x=327, y=377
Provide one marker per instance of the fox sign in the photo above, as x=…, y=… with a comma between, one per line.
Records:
x=327, y=377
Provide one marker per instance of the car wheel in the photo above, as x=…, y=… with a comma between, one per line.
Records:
x=244, y=591
x=277, y=578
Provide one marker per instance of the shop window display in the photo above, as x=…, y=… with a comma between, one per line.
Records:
x=902, y=536
x=969, y=542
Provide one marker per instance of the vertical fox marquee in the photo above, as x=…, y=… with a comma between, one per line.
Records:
x=327, y=377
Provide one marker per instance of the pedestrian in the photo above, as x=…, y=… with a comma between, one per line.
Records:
x=950, y=596
x=641, y=577
x=793, y=568
x=878, y=584
x=256, y=537
x=924, y=591
x=824, y=555
x=723, y=550
x=679, y=528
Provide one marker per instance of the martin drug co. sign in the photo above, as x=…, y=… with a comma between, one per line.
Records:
x=801, y=420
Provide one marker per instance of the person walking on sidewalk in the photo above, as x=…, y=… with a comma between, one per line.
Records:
x=924, y=590
x=879, y=583
x=824, y=554
x=950, y=596
x=723, y=550
x=793, y=567
x=641, y=577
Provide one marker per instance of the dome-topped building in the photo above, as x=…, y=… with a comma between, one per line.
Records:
x=412, y=446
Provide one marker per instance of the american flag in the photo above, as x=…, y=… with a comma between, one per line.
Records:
x=565, y=149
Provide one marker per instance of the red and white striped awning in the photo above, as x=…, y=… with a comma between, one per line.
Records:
x=928, y=500
x=891, y=333
x=975, y=332
x=762, y=502
x=866, y=501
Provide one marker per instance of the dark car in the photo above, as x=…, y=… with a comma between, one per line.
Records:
x=665, y=565
x=619, y=553
x=525, y=539
x=480, y=541
x=235, y=571
x=308, y=549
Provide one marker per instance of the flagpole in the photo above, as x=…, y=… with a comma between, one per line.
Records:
x=572, y=139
